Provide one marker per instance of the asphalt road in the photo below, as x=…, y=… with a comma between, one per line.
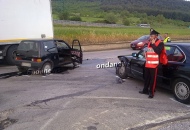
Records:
x=86, y=98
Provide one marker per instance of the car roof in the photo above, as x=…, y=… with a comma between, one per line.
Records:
x=179, y=43
x=149, y=36
x=39, y=40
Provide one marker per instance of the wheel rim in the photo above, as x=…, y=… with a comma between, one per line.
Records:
x=182, y=90
x=122, y=69
x=46, y=68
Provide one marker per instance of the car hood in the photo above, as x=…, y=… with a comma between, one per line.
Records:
x=129, y=57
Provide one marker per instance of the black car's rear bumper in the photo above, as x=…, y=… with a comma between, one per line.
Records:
x=29, y=64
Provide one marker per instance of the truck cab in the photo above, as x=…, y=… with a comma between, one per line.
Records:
x=45, y=55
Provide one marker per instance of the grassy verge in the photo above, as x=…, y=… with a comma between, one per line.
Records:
x=98, y=35
x=91, y=19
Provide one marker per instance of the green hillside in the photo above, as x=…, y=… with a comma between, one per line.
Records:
x=171, y=16
x=128, y=12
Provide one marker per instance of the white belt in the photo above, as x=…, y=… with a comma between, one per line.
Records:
x=153, y=62
x=152, y=56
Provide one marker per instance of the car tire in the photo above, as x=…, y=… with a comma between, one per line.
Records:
x=22, y=69
x=75, y=65
x=121, y=70
x=46, y=68
x=11, y=55
x=181, y=90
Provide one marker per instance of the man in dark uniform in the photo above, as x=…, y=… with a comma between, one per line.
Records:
x=155, y=48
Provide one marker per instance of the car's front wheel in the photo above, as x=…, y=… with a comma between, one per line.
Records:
x=181, y=90
x=121, y=70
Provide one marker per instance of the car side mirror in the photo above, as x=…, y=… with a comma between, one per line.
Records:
x=134, y=54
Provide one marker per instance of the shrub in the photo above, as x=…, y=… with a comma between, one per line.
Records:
x=126, y=22
x=64, y=16
x=111, y=18
x=75, y=18
x=100, y=21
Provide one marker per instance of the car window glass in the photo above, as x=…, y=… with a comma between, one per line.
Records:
x=28, y=46
x=169, y=50
x=141, y=54
x=62, y=45
x=174, y=54
x=144, y=37
x=177, y=52
x=76, y=45
x=49, y=46
x=160, y=37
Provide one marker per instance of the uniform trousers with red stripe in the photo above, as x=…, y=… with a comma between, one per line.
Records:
x=150, y=80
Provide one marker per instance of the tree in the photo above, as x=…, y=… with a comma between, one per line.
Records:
x=144, y=21
x=111, y=18
x=160, y=18
x=64, y=16
x=57, y=6
x=125, y=13
x=126, y=21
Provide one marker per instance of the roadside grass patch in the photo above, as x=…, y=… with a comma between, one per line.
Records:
x=99, y=35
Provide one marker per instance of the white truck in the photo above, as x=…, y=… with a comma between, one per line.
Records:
x=23, y=20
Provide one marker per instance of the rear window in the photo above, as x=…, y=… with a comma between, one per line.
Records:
x=28, y=49
x=28, y=46
x=174, y=54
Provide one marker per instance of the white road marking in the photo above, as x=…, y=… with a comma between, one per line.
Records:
x=158, y=120
x=123, y=98
x=49, y=121
x=179, y=102
x=106, y=111
x=43, y=127
x=80, y=124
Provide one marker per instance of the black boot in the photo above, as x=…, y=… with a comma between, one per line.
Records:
x=143, y=92
x=150, y=95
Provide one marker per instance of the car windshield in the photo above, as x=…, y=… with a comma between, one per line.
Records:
x=144, y=37
x=160, y=37
x=61, y=44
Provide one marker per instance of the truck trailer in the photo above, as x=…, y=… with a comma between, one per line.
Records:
x=23, y=20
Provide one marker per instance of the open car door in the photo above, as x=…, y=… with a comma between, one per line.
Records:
x=76, y=51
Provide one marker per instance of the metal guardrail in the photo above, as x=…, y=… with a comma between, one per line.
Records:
x=80, y=23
